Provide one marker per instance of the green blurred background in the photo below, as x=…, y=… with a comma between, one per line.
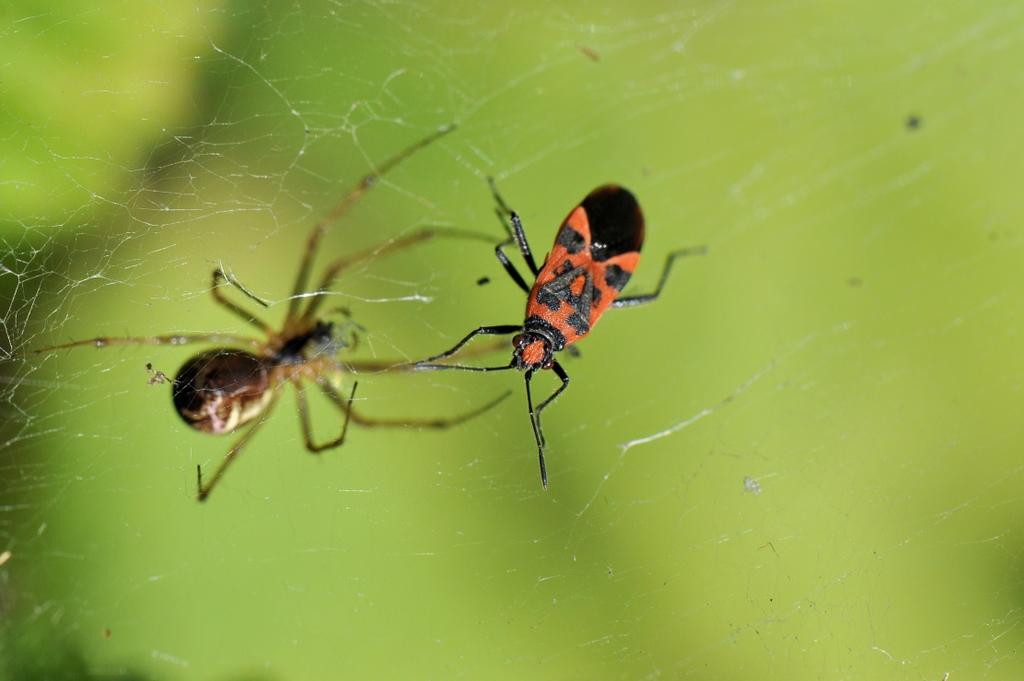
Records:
x=835, y=491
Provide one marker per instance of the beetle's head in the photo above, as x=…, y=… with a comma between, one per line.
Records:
x=532, y=350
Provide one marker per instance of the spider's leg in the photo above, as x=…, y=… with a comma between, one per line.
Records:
x=203, y=491
x=218, y=277
x=633, y=301
x=335, y=267
x=233, y=280
x=168, y=339
x=369, y=422
x=307, y=427
x=349, y=200
x=516, y=230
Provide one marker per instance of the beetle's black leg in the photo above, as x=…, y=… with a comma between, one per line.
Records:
x=428, y=363
x=538, y=432
x=633, y=301
x=516, y=232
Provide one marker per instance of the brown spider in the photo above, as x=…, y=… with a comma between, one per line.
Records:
x=220, y=390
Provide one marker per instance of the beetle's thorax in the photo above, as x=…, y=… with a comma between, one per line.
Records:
x=536, y=346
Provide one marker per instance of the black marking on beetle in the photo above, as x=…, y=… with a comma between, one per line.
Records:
x=616, y=277
x=579, y=323
x=551, y=299
x=579, y=320
x=572, y=240
x=595, y=297
x=542, y=327
x=559, y=289
x=616, y=223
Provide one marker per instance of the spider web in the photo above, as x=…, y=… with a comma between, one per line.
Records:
x=802, y=462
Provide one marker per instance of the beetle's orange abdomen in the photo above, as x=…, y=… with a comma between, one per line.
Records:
x=595, y=252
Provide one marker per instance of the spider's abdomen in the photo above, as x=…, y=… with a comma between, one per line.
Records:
x=219, y=390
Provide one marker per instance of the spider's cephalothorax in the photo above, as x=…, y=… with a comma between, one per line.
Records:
x=220, y=390
x=299, y=348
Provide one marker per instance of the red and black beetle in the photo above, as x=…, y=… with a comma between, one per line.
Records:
x=596, y=250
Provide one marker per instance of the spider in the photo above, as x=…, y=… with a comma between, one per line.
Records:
x=220, y=390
